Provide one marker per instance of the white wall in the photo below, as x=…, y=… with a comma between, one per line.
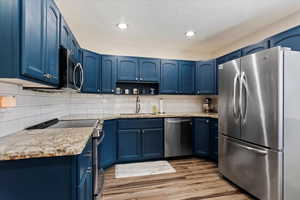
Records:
x=259, y=35
x=36, y=107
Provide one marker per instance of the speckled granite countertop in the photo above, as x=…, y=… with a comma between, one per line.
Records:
x=65, y=141
x=104, y=117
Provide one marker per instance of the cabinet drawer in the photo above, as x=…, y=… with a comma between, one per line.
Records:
x=84, y=160
x=140, y=123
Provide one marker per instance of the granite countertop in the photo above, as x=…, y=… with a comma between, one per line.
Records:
x=65, y=141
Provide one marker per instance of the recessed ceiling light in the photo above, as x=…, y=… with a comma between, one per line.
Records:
x=122, y=26
x=189, y=34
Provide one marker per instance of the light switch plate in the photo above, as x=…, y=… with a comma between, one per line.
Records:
x=7, y=101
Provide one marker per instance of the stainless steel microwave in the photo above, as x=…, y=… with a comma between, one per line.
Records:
x=71, y=71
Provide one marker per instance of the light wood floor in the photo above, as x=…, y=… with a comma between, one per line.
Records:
x=194, y=179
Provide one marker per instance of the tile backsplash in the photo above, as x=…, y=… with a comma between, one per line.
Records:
x=35, y=107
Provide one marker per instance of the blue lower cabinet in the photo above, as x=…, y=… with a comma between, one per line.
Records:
x=255, y=48
x=169, y=81
x=290, y=38
x=129, y=145
x=214, y=138
x=152, y=143
x=85, y=188
x=206, y=77
x=59, y=178
x=108, y=155
x=201, y=137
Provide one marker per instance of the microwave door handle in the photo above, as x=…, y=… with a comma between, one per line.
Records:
x=74, y=77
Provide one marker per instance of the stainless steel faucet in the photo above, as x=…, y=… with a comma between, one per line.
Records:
x=137, y=104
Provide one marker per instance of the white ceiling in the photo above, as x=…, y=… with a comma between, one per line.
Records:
x=157, y=27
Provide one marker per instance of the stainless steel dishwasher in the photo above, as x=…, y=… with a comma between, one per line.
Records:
x=178, y=137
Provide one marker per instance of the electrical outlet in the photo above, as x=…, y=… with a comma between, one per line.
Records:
x=7, y=101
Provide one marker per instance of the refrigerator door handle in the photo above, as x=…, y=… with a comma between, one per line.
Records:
x=243, y=97
x=235, y=109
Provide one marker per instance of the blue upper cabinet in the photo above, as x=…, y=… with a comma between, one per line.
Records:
x=109, y=74
x=52, y=42
x=92, y=69
x=169, y=81
x=255, y=48
x=128, y=69
x=187, y=77
x=290, y=38
x=33, y=31
x=65, y=33
x=149, y=70
x=206, y=77
x=231, y=56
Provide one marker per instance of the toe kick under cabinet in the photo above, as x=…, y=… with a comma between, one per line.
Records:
x=59, y=178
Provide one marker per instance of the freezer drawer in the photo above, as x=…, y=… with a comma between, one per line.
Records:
x=255, y=169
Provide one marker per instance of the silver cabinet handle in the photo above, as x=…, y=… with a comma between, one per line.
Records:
x=136, y=78
x=47, y=76
x=112, y=90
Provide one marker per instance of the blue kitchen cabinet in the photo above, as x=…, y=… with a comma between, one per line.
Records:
x=70, y=177
x=108, y=154
x=255, y=48
x=29, y=35
x=187, y=77
x=52, y=42
x=201, y=137
x=128, y=69
x=149, y=70
x=129, y=145
x=108, y=73
x=289, y=38
x=92, y=70
x=152, y=143
x=140, y=139
x=33, y=38
x=231, y=56
x=65, y=33
x=206, y=77
x=169, y=81
x=214, y=137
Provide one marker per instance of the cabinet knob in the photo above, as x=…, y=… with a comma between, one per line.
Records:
x=207, y=121
x=47, y=76
x=141, y=78
x=98, y=90
x=136, y=78
x=112, y=90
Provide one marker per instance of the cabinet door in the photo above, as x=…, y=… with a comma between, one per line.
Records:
x=206, y=77
x=152, y=143
x=85, y=188
x=73, y=47
x=169, y=77
x=33, y=38
x=231, y=56
x=214, y=139
x=129, y=145
x=91, y=66
x=65, y=33
x=187, y=77
x=149, y=69
x=52, y=42
x=201, y=137
x=255, y=48
x=108, y=155
x=290, y=38
x=109, y=68
x=128, y=69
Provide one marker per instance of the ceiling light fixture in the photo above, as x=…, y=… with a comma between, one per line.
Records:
x=190, y=34
x=122, y=26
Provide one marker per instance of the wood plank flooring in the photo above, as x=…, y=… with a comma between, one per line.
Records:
x=195, y=179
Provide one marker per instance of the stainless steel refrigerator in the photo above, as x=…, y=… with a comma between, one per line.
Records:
x=259, y=123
